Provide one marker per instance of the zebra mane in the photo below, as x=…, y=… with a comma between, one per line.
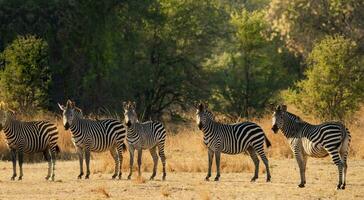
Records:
x=210, y=115
x=294, y=117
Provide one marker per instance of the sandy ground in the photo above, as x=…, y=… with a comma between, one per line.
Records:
x=321, y=178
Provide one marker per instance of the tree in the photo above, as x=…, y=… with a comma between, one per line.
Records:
x=25, y=79
x=249, y=73
x=334, y=84
x=302, y=22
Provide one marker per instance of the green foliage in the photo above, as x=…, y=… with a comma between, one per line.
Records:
x=25, y=79
x=302, y=22
x=247, y=75
x=334, y=84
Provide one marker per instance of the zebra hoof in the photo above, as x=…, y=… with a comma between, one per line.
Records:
x=253, y=179
x=301, y=185
x=217, y=178
x=47, y=177
x=164, y=178
x=129, y=177
x=87, y=176
x=268, y=179
x=119, y=176
x=114, y=176
x=53, y=178
x=20, y=178
x=207, y=179
x=343, y=186
x=13, y=178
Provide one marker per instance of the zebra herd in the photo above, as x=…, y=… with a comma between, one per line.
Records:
x=329, y=138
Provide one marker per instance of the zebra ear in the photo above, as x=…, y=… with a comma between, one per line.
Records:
x=278, y=107
x=124, y=104
x=61, y=107
x=284, y=107
x=200, y=107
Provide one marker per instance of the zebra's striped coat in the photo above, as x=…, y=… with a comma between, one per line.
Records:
x=329, y=138
x=147, y=135
x=30, y=137
x=94, y=136
x=231, y=139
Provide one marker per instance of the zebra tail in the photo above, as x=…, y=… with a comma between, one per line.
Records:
x=123, y=146
x=267, y=142
x=58, y=150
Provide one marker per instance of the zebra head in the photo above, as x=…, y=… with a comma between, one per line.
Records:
x=202, y=115
x=277, y=118
x=5, y=114
x=68, y=113
x=130, y=116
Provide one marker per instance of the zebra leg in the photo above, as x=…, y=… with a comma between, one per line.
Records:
x=53, y=158
x=13, y=159
x=87, y=157
x=255, y=159
x=131, y=152
x=140, y=151
x=80, y=157
x=340, y=165
x=120, y=154
x=343, y=156
x=115, y=156
x=217, y=156
x=47, y=157
x=265, y=161
x=210, y=158
x=20, y=158
x=298, y=154
x=153, y=152
x=163, y=159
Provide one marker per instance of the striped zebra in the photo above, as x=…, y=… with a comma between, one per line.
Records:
x=329, y=138
x=30, y=137
x=94, y=135
x=231, y=139
x=141, y=136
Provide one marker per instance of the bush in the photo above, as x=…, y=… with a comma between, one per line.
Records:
x=334, y=84
x=26, y=77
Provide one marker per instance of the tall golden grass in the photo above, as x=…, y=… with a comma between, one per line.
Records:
x=185, y=150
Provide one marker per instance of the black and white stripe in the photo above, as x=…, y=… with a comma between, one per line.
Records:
x=329, y=138
x=94, y=135
x=30, y=137
x=232, y=139
x=141, y=136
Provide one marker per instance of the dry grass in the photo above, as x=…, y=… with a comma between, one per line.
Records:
x=102, y=191
x=321, y=183
x=185, y=150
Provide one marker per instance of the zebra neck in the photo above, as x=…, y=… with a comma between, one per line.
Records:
x=132, y=130
x=292, y=128
x=209, y=127
x=75, y=124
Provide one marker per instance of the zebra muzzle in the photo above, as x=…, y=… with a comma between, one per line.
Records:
x=66, y=126
x=200, y=126
x=275, y=128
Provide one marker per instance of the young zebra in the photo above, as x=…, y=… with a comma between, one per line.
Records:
x=94, y=135
x=146, y=135
x=231, y=139
x=30, y=137
x=329, y=138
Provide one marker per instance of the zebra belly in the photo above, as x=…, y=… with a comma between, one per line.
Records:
x=313, y=150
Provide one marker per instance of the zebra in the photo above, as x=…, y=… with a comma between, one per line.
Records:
x=30, y=137
x=141, y=136
x=231, y=139
x=94, y=135
x=329, y=138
